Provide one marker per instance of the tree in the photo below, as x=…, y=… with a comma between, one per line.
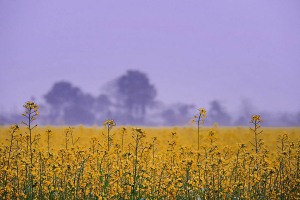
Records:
x=68, y=104
x=135, y=93
x=74, y=115
x=178, y=114
x=62, y=93
x=102, y=102
x=102, y=108
x=218, y=114
x=246, y=110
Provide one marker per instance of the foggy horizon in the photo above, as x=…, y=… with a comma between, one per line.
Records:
x=193, y=53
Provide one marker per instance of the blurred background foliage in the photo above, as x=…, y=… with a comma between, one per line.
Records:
x=131, y=100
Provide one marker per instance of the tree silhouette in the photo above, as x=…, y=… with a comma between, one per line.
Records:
x=135, y=93
x=102, y=109
x=74, y=115
x=68, y=104
x=218, y=114
x=177, y=114
x=62, y=93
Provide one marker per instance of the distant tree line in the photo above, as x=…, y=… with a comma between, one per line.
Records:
x=131, y=100
x=126, y=101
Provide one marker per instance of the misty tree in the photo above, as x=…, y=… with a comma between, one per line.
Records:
x=178, y=114
x=246, y=110
x=74, y=115
x=134, y=93
x=102, y=107
x=62, y=93
x=102, y=102
x=218, y=114
x=80, y=110
x=68, y=104
x=58, y=98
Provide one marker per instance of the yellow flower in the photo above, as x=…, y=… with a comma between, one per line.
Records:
x=202, y=112
x=14, y=128
x=109, y=123
x=256, y=119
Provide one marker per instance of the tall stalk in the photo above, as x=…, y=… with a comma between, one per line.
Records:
x=256, y=120
x=31, y=111
x=201, y=118
x=109, y=124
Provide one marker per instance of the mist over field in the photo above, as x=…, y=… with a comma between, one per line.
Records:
x=131, y=99
x=235, y=59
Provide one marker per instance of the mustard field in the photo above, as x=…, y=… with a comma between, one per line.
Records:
x=112, y=162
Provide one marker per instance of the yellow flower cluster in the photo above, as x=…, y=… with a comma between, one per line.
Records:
x=256, y=119
x=31, y=106
x=202, y=112
x=148, y=163
x=109, y=123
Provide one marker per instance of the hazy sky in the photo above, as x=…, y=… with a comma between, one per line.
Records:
x=193, y=51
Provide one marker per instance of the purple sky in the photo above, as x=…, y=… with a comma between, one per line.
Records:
x=193, y=51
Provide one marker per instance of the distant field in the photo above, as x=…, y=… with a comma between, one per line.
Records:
x=186, y=136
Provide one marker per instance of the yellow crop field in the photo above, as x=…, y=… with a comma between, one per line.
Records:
x=112, y=162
